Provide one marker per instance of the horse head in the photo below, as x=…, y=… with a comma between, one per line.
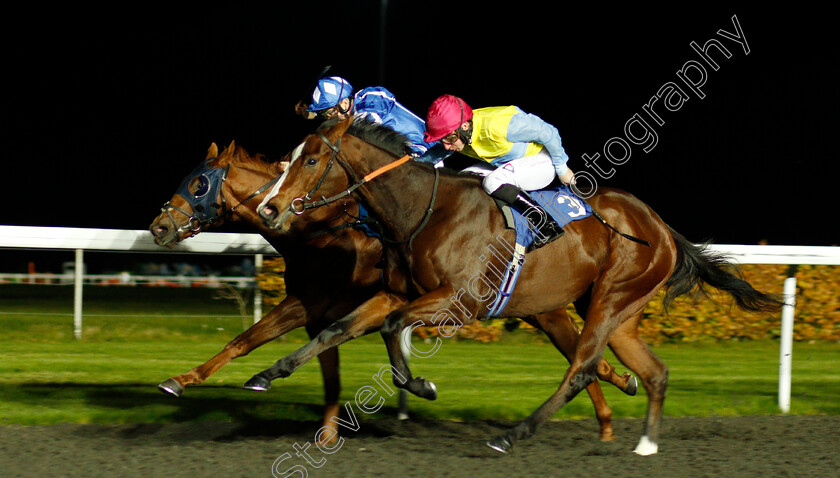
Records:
x=311, y=174
x=211, y=192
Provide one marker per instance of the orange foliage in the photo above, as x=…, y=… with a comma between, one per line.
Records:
x=272, y=281
x=816, y=317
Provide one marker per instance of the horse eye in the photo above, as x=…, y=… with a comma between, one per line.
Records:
x=199, y=186
x=311, y=162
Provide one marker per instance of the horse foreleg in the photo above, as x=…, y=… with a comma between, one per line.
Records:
x=563, y=332
x=367, y=318
x=430, y=309
x=288, y=315
x=626, y=383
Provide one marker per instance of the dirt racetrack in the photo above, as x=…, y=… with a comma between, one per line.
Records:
x=779, y=446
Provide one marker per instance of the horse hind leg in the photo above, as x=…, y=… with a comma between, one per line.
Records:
x=636, y=355
x=328, y=359
x=329, y=362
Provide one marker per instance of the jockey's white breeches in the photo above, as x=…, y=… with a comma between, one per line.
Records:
x=529, y=173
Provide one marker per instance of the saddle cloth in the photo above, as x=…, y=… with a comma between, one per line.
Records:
x=558, y=201
x=562, y=205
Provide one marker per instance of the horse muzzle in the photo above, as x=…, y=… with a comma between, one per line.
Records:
x=168, y=233
x=164, y=236
x=272, y=217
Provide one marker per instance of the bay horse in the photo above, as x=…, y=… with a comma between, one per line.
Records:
x=438, y=227
x=228, y=186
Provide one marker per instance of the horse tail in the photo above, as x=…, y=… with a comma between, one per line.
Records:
x=697, y=267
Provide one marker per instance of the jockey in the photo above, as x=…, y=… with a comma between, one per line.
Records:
x=526, y=151
x=334, y=98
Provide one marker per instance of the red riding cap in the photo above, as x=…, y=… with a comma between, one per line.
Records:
x=445, y=115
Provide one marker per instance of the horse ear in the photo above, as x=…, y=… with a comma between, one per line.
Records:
x=212, y=151
x=346, y=124
x=338, y=130
x=230, y=152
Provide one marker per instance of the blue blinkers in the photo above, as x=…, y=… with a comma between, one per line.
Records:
x=201, y=189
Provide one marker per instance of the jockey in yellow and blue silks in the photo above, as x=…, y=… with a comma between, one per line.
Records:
x=526, y=151
x=333, y=97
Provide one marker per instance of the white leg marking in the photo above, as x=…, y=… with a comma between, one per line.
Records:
x=646, y=447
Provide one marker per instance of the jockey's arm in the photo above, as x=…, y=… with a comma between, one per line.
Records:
x=528, y=128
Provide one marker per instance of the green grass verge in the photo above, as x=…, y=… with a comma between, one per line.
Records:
x=48, y=377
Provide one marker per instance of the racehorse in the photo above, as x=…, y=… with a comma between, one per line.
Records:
x=438, y=227
x=331, y=268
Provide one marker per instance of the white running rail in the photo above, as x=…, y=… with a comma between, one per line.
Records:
x=81, y=239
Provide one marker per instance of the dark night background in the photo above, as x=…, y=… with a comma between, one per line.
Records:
x=105, y=111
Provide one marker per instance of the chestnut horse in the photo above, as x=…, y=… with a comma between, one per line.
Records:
x=229, y=186
x=438, y=227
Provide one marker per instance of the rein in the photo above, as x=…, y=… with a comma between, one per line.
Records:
x=300, y=204
x=265, y=187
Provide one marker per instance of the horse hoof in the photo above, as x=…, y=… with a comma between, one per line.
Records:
x=607, y=434
x=632, y=386
x=171, y=387
x=258, y=384
x=646, y=447
x=501, y=444
x=429, y=390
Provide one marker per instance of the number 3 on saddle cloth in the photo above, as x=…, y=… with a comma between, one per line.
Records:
x=559, y=202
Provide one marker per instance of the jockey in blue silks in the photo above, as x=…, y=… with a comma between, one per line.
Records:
x=333, y=97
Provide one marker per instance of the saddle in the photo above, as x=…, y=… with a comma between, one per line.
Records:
x=557, y=199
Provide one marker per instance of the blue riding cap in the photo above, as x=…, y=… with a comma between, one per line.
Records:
x=329, y=92
x=203, y=196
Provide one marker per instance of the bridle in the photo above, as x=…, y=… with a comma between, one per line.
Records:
x=300, y=204
x=205, y=210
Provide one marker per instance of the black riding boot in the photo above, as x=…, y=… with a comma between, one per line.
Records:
x=544, y=226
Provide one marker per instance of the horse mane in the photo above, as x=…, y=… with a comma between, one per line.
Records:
x=237, y=154
x=376, y=134
x=393, y=142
